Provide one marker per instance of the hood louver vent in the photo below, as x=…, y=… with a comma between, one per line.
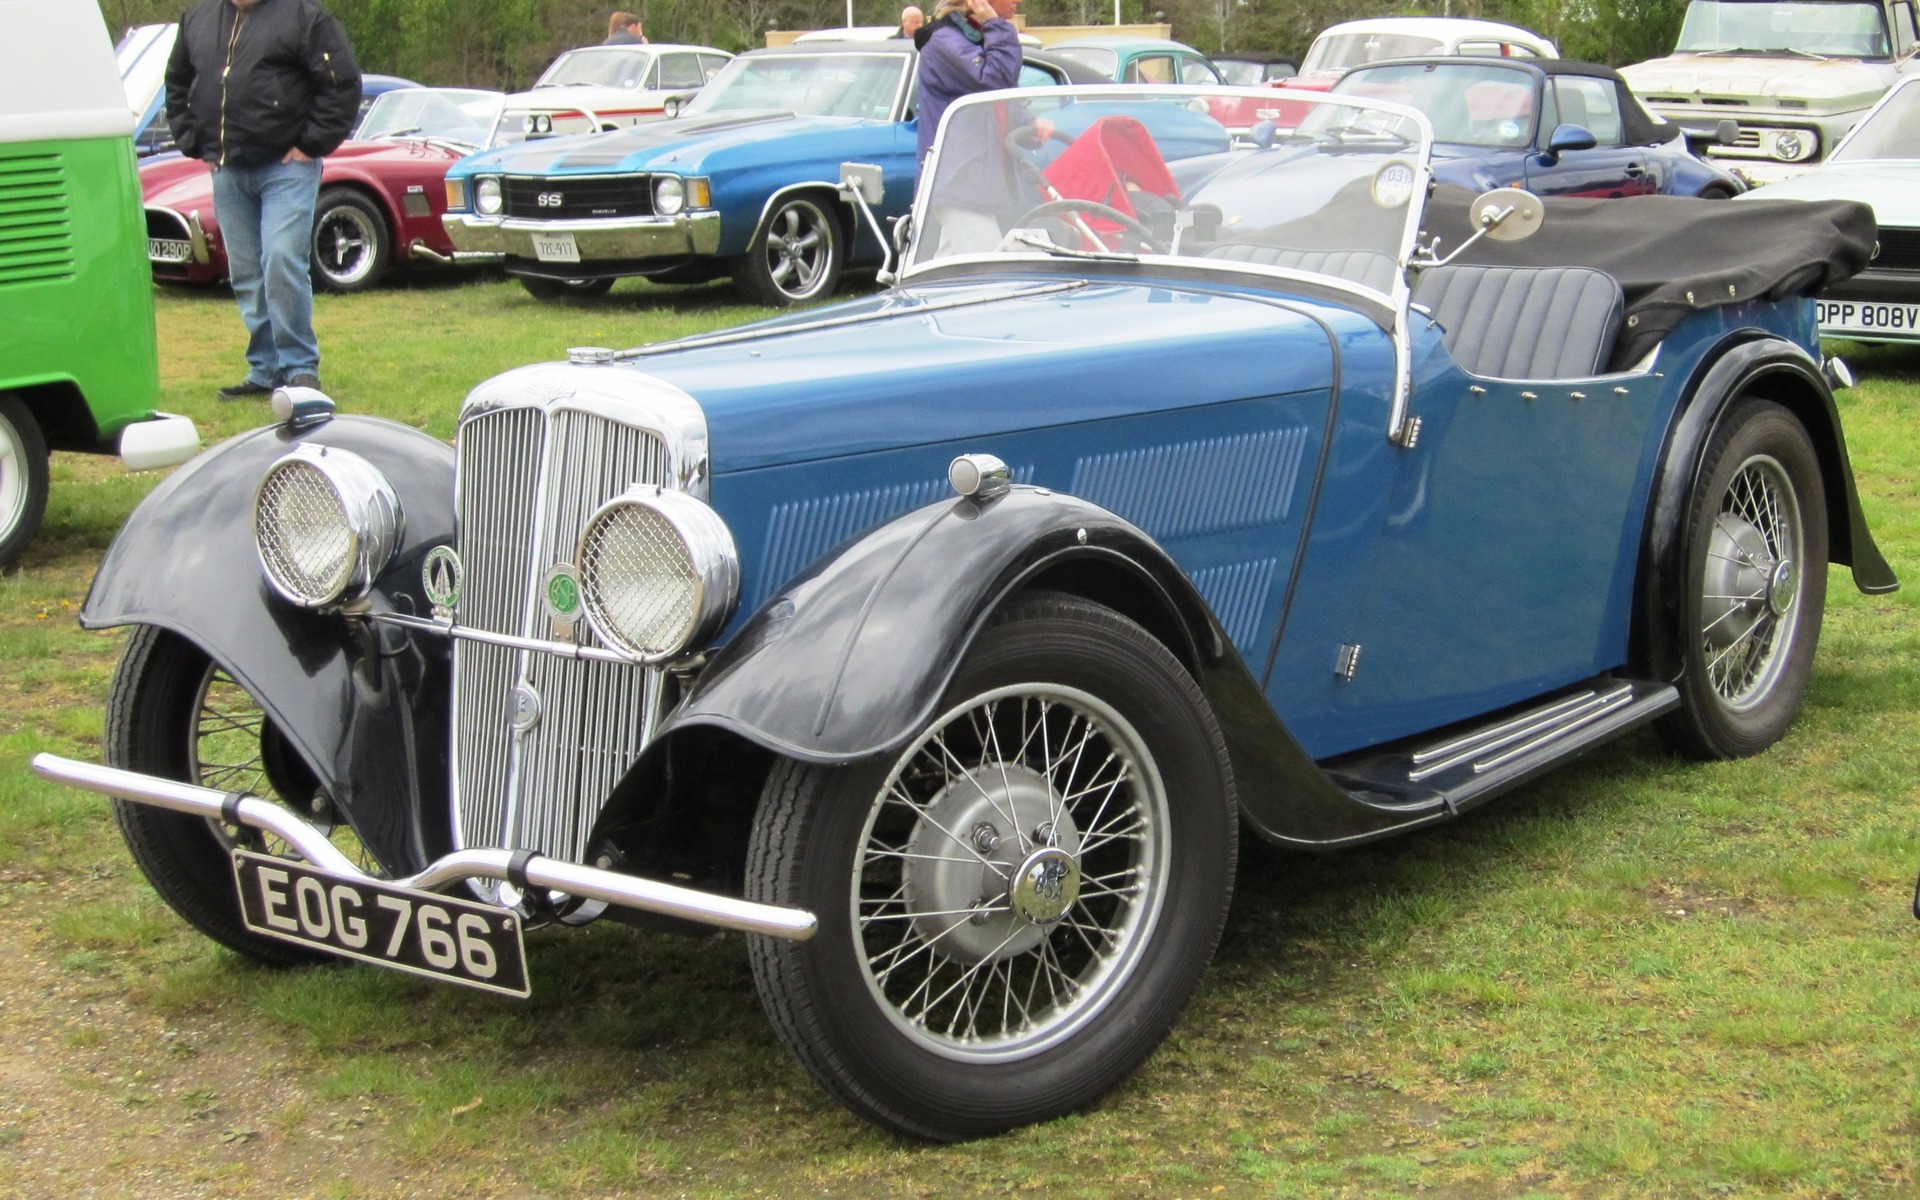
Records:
x=36, y=234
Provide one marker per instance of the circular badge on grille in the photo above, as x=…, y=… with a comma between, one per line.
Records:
x=441, y=575
x=560, y=589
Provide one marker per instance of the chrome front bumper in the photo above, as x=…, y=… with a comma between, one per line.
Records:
x=598, y=241
x=589, y=883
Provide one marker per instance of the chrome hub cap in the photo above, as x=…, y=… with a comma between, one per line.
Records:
x=1011, y=873
x=1751, y=589
x=963, y=902
x=343, y=244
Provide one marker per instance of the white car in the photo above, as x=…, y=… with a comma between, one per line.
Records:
x=1878, y=164
x=597, y=88
x=1350, y=43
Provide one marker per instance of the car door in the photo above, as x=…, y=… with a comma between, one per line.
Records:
x=1610, y=167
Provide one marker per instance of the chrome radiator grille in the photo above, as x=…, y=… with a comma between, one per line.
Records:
x=528, y=481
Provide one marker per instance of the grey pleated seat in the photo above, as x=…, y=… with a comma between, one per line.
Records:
x=1524, y=322
x=1369, y=268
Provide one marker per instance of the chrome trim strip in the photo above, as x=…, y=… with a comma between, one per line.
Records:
x=1523, y=734
x=632, y=891
x=468, y=633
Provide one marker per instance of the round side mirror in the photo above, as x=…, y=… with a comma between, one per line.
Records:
x=1508, y=214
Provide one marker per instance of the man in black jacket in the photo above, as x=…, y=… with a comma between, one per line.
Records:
x=260, y=90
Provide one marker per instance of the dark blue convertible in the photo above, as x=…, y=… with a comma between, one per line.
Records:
x=946, y=641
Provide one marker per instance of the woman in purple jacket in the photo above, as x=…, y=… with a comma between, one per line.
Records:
x=969, y=46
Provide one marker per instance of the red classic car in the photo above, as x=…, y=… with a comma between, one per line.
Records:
x=381, y=194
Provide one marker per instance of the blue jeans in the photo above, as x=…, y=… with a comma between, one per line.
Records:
x=266, y=222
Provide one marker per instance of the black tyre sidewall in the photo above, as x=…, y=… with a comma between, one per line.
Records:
x=755, y=280
x=854, y=1049
x=334, y=198
x=15, y=539
x=1704, y=726
x=542, y=288
x=150, y=715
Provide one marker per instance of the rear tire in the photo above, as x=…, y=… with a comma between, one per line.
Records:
x=23, y=479
x=1753, y=574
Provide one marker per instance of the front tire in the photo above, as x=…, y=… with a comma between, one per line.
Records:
x=23, y=479
x=172, y=712
x=1754, y=577
x=795, y=258
x=351, y=245
x=1015, y=908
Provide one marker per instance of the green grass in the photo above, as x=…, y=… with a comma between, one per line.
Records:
x=1638, y=977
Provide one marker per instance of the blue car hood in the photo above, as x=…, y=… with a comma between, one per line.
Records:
x=923, y=370
x=685, y=143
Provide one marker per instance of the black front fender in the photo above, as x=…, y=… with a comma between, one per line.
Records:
x=850, y=660
x=365, y=707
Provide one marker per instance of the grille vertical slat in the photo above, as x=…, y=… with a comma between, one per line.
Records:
x=528, y=483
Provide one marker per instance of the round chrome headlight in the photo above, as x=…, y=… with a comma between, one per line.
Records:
x=486, y=196
x=325, y=522
x=658, y=573
x=1794, y=145
x=669, y=195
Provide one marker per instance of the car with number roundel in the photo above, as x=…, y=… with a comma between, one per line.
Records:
x=948, y=640
x=1552, y=126
x=739, y=181
x=381, y=197
x=1877, y=164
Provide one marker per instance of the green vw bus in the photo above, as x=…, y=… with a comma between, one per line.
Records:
x=79, y=367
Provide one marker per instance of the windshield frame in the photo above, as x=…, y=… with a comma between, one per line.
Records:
x=1419, y=155
x=814, y=52
x=484, y=124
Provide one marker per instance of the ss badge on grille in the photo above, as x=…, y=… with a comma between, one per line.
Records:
x=440, y=577
x=560, y=592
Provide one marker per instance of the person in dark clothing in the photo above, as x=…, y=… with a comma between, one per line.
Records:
x=911, y=19
x=624, y=29
x=970, y=46
x=261, y=90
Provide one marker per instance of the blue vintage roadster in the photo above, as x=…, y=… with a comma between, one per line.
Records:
x=946, y=640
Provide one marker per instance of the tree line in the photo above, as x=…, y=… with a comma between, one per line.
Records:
x=506, y=43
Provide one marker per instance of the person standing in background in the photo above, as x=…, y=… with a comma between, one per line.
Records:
x=261, y=90
x=624, y=29
x=911, y=19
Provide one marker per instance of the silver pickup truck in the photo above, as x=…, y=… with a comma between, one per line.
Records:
x=1791, y=75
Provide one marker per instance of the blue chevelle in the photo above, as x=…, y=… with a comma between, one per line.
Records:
x=945, y=641
x=741, y=182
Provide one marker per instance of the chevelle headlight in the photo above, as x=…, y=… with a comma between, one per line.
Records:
x=325, y=522
x=486, y=196
x=658, y=573
x=669, y=194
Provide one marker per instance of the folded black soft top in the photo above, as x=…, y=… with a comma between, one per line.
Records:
x=1674, y=255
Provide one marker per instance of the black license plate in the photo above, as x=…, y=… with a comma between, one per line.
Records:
x=457, y=941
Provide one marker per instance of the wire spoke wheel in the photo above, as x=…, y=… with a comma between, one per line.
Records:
x=1016, y=904
x=1751, y=581
x=1012, y=869
x=1751, y=587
